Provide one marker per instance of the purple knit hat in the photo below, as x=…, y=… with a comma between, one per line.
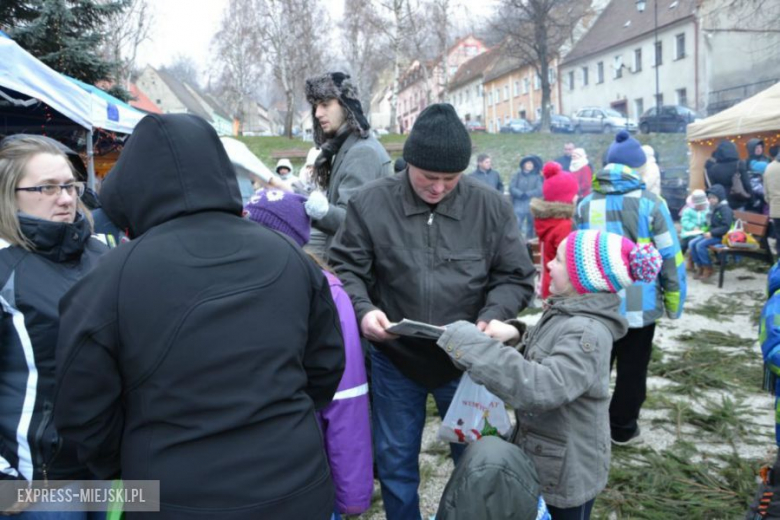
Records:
x=281, y=211
x=598, y=261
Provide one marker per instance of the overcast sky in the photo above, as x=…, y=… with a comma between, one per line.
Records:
x=186, y=27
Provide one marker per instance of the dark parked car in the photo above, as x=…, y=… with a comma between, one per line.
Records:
x=558, y=124
x=475, y=126
x=516, y=126
x=673, y=118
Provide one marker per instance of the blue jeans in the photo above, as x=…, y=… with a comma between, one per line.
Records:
x=398, y=422
x=698, y=247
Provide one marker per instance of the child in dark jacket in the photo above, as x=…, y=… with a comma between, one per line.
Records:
x=553, y=216
x=721, y=218
x=345, y=421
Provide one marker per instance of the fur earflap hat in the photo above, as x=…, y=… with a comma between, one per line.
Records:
x=336, y=85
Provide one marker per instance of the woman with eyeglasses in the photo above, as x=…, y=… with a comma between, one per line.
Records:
x=45, y=247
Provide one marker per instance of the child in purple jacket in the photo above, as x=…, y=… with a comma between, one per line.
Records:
x=345, y=421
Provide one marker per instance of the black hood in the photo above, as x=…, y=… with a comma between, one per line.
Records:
x=717, y=190
x=173, y=165
x=535, y=159
x=751, y=148
x=726, y=152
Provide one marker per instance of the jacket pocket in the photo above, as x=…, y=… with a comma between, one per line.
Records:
x=549, y=456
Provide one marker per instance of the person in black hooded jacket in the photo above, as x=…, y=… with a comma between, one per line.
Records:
x=197, y=353
x=720, y=169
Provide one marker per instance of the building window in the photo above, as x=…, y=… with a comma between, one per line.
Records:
x=517, y=88
x=637, y=60
x=600, y=72
x=551, y=75
x=618, y=66
x=659, y=54
x=571, y=80
x=679, y=51
x=537, y=82
x=584, y=76
x=639, y=106
x=525, y=86
x=497, y=92
x=506, y=92
x=468, y=96
x=479, y=90
x=682, y=97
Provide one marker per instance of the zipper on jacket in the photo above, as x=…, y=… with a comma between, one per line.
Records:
x=431, y=266
x=39, y=441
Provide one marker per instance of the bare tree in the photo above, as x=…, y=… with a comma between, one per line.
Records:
x=391, y=23
x=420, y=39
x=442, y=27
x=125, y=32
x=291, y=32
x=364, y=49
x=535, y=31
x=238, y=56
x=184, y=69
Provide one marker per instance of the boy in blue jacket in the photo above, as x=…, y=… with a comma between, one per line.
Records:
x=766, y=505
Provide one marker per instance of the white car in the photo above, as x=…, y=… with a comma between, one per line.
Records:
x=602, y=121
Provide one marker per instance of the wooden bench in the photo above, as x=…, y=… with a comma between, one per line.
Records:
x=758, y=226
x=295, y=153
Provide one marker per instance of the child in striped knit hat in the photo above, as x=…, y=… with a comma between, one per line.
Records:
x=556, y=375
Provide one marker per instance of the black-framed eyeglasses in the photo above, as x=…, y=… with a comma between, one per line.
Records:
x=54, y=190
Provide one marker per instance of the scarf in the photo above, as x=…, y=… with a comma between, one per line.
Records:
x=329, y=149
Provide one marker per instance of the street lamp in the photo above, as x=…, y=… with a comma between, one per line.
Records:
x=640, y=6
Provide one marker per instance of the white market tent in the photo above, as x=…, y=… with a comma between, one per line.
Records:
x=26, y=81
x=755, y=117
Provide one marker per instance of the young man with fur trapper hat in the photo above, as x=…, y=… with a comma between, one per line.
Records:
x=350, y=156
x=553, y=216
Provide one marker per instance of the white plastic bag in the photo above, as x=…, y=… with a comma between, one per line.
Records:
x=474, y=413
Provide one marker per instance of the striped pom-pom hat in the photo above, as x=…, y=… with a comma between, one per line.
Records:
x=598, y=261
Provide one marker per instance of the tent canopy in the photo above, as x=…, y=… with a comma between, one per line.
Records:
x=760, y=113
x=755, y=117
x=22, y=73
x=89, y=107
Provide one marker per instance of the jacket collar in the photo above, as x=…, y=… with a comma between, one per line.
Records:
x=353, y=137
x=451, y=206
x=56, y=241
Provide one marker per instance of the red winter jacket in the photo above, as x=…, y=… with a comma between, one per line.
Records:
x=553, y=223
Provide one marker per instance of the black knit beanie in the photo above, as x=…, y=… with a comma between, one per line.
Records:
x=438, y=141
